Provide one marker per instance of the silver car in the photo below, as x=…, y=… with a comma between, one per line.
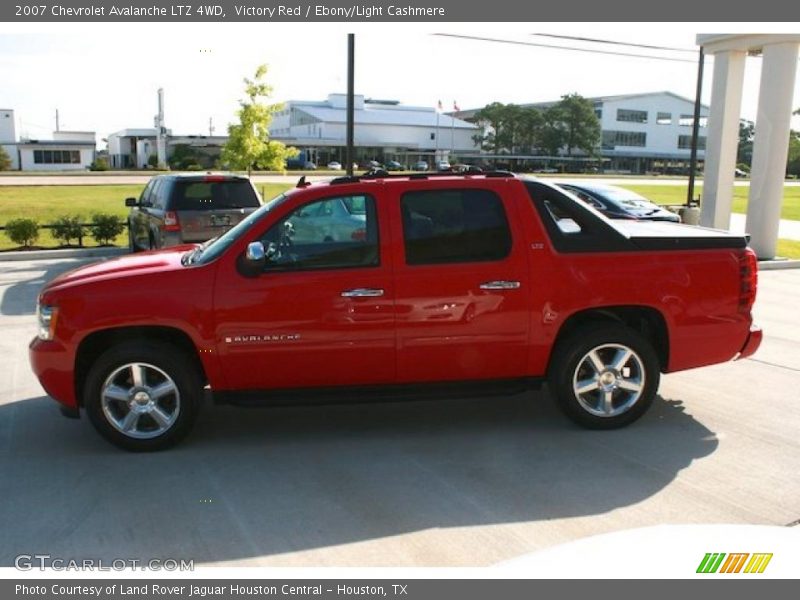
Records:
x=334, y=220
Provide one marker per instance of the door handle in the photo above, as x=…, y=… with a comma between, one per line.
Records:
x=500, y=285
x=362, y=293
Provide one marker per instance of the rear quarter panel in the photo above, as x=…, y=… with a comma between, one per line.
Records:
x=696, y=292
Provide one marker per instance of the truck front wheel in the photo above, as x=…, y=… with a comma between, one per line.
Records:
x=142, y=395
x=605, y=377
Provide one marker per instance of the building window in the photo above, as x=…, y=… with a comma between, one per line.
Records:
x=688, y=121
x=433, y=136
x=664, y=118
x=631, y=116
x=685, y=142
x=612, y=139
x=57, y=157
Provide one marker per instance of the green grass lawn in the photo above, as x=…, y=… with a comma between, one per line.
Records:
x=676, y=194
x=46, y=203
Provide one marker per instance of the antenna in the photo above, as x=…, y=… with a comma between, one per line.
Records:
x=57, y=127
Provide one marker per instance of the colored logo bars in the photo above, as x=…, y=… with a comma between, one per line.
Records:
x=713, y=563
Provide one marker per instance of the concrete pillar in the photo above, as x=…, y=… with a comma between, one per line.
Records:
x=722, y=139
x=771, y=146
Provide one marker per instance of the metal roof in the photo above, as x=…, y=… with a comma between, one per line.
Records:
x=384, y=116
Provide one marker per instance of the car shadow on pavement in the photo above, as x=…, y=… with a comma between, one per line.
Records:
x=259, y=483
x=20, y=297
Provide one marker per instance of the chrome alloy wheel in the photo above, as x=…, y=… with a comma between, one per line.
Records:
x=609, y=380
x=140, y=400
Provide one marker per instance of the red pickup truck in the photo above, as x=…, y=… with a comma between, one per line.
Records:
x=391, y=287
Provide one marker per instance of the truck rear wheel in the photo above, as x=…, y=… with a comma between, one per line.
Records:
x=143, y=396
x=605, y=377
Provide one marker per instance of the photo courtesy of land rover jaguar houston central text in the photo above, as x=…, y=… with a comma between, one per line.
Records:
x=396, y=286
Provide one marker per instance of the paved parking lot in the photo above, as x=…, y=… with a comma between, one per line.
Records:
x=447, y=483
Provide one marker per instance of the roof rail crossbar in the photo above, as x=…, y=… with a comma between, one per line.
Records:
x=382, y=174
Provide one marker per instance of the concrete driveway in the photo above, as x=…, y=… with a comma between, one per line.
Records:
x=450, y=483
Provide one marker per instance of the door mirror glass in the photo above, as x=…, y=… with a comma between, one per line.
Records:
x=131, y=202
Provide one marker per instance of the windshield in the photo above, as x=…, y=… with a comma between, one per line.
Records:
x=212, y=249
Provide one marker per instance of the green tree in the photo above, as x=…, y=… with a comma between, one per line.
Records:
x=493, y=117
x=744, y=151
x=248, y=143
x=793, y=162
x=552, y=136
x=5, y=160
x=579, y=124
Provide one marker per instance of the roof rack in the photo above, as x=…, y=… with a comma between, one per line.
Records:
x=382, y=174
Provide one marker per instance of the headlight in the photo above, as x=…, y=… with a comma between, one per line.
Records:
x=47, y=316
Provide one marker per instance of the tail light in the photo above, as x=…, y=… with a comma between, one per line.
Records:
x=748, y=273
x=359, y=235
x=171, y=222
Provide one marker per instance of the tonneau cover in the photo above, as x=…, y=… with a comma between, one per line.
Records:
x=660, y=235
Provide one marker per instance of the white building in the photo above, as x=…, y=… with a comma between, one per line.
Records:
x=643, y=132
x=384, y=130
x=133, y=148
x=67, y=151
x=8, y=136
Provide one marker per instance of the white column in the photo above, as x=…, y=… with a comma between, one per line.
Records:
x=771, y=146
x=723, y=138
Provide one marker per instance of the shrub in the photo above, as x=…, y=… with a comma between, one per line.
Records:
x=744, y=167
x=106, y=227
x=152, y=161
x=23, y=231
x=5, y=160
x=194, y=167
x=99, y=164
x=67, y=228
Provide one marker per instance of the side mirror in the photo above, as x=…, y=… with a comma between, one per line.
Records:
x=131, y=202
x=251, y=263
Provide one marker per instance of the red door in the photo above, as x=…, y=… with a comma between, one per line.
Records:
x=461, y=285
x=322, y=312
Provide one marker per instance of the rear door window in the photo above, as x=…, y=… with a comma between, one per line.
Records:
x=213, y=195
x=454, y=226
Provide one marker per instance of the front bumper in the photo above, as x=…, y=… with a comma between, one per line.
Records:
x=53, y=365
x=752, y=343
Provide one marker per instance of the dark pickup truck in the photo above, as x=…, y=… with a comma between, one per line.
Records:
x=446, y=284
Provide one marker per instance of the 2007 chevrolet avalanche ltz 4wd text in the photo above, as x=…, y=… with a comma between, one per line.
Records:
x=438, y=284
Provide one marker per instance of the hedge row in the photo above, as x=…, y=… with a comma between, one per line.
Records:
x=104, y=228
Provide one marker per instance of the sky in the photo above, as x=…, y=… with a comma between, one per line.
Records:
x=105, y=77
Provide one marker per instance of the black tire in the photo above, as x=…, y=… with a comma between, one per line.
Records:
x=158, y=359
x=571, y=363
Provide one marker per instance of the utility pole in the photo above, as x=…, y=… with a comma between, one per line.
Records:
x=57, y=124
x=351, y=53
x=695, y=129
x=210, y=126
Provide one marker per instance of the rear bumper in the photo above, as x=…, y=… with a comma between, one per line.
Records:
x=752, y=343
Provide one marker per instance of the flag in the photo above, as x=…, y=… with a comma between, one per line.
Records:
x=439, y=107
x=455, y=106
